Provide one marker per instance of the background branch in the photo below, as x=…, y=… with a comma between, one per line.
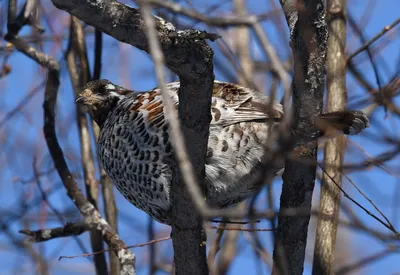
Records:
x=91, y=215
x=78, y=67
x=325, y=242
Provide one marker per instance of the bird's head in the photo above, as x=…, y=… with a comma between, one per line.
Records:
x=100, y=97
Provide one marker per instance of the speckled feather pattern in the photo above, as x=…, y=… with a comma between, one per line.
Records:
x=135, y=150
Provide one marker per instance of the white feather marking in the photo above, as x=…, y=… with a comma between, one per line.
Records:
x=110, y=86
x=116, y=94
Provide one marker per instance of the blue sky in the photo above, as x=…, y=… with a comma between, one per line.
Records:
x=21, y=138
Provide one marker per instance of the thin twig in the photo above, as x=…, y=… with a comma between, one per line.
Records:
x=116, y=249
x=345, y=194
x=373, y=39
x=43, y=235
x=372, y=203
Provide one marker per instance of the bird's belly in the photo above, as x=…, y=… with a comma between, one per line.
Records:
x=145, y=184
x=234, y=163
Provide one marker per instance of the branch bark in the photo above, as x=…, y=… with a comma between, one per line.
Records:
x=43, y=235
x=188, y=235
x=309, y=34
x=325, y=241
x=126, y=25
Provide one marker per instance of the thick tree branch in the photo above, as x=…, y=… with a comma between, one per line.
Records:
x=325, y=240
x=194, y=115
x=126, y=25
x=309, y=36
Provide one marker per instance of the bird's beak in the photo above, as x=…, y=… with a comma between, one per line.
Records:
x=80, y=100
x=83, y=97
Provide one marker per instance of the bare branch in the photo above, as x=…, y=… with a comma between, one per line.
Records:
x=220, y=21
x=325, y=240
x=126, y=25
x=376, y=37
x=309, y=42
x=105, y=250
x=43, y=235
x=367, y=260
x=187, y=226
x=91, y=215
x=78, y=67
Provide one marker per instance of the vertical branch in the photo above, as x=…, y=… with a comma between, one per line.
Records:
x=152, y=248
x=215, y=247
x=309, y=36
x=189, y=239
x=78, y=67
x=98, y=50
x=110, y=207
x=325, y=241
x=92, y=216
x=110, y=210
x=11, y=13
x=242, y=45
x=228, y=247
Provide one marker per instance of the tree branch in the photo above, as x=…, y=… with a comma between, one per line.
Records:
x=43, y=235
x=194, y=116
x=92, y=217
x=309, y=36
x=126, y=25
x=78, y=67
x=325, y=240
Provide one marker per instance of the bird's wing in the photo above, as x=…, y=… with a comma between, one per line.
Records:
x=233, y=103
x=151, y=105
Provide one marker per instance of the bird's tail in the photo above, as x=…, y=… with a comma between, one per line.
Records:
x=345, y=122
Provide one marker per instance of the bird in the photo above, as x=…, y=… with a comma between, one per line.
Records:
x=134, y=145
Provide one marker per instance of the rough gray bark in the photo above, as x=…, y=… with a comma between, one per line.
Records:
x=126, y=25
x=191, y=59
x=309, y=34
x=325, y=241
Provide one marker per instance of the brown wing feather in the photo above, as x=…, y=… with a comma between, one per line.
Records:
x=237, y=104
